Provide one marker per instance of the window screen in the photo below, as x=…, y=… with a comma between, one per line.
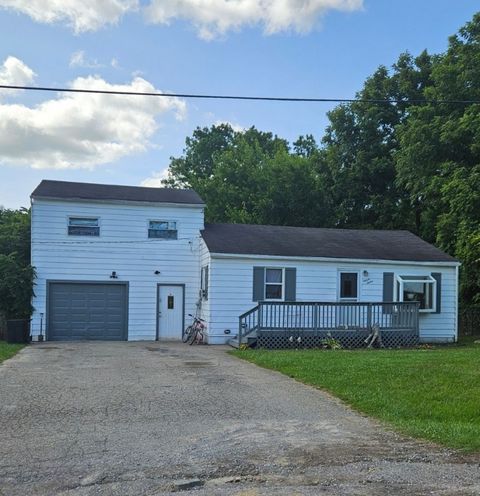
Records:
x=83, y=226
x=163, y=229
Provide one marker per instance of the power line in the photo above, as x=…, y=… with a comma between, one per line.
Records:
x=378, y=101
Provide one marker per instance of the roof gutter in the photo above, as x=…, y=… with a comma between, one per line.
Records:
x=115, y=202
x=453, y=263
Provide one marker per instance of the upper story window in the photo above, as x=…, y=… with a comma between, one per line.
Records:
x=164, y=229
x=274, y=284
x=83, y=226
x=418, y=288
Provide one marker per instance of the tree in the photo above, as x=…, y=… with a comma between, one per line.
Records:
x=15, y=233
x=360, y=143
x=16, y=273
x=439, y=156
x=405, y=162
x=16, y=288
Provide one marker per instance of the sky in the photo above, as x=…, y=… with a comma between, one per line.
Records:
x=300, y=48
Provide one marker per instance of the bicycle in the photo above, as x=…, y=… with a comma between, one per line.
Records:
x=194, y=332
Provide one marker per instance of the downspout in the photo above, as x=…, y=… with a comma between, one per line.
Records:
x=456, y=303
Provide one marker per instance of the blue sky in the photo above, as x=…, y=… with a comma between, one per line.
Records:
x=327, y=52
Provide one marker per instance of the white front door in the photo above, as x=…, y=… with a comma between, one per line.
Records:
x=170, y=312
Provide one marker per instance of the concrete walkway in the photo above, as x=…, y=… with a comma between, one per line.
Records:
x=152, y=418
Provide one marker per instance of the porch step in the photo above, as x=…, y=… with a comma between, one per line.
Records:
x=249, y=340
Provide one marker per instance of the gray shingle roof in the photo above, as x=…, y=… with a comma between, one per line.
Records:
x=88, y=191
x=246, y=239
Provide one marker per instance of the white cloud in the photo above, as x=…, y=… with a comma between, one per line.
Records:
x=236, y=127
x=83, y=130
x=214, y=18
x=80, y=59
x=80, y=15
x=15, y=72
x=155, y=180
x=211, y=18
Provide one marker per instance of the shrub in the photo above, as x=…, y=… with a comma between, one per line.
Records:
x=16, y=287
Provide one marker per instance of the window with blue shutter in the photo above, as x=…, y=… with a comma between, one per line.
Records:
x=274, y=284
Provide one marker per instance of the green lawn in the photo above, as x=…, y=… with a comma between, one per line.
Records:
x=8, y=350
x=428, y=393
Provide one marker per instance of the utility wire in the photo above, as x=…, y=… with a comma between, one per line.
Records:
x=378, y=101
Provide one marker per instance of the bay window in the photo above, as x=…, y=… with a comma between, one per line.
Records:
x=422, y=289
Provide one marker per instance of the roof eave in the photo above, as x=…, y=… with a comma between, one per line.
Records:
x=446, y=263
x=113, y=201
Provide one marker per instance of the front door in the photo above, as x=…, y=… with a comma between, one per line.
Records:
x=170, y=312
x=348, y=314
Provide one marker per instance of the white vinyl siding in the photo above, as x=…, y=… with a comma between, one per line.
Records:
x=205, y=261
x=231, y=283
x=123, y=247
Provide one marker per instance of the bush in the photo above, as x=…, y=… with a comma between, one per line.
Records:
x=16, y=287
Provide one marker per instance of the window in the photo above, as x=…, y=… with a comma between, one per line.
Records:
x=348, y=285
x=83, y=226
x=164, y=229
x=274, y=284
x=204, y=282
x=418, y=288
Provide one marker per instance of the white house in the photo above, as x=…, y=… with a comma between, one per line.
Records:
x=121, y=262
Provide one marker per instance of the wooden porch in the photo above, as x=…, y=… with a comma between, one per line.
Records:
x=309, y=324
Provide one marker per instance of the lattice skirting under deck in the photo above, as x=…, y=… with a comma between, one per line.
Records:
x=348, y=339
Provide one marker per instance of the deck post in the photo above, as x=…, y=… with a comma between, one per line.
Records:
x=260, y=315
x=417, y=314
x=369, y=317
x=240, y=331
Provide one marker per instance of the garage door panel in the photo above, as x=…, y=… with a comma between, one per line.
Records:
x=87, y=311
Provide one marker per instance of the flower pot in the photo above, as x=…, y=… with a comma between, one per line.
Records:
x=18, y=331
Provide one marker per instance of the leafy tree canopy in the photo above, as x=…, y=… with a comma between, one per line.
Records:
x=410, y=164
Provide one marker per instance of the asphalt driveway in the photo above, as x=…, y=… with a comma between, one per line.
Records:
x=140, y=418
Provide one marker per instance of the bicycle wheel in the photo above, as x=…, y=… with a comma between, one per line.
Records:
x=193, y=336
x=187, y=333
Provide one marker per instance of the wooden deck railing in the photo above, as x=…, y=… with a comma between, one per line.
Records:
x=325, y=316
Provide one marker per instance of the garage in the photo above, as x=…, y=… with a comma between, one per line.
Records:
x=87, y=310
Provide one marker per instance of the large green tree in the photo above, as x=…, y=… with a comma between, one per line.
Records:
x=252, y=177
x=438, y=159
x=360, y=143
x=408, y=160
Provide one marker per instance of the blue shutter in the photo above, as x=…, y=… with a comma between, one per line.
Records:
x=290, y=284
x=258, y=283
x=388, y=281
x=388, y=286
x=438, y=277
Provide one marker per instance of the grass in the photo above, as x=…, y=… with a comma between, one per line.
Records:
x=8, y=350
x=431, y=393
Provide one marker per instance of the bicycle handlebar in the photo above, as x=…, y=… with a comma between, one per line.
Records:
x=196, y=318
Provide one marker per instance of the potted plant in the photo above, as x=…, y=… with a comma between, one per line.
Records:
x=16, y=292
